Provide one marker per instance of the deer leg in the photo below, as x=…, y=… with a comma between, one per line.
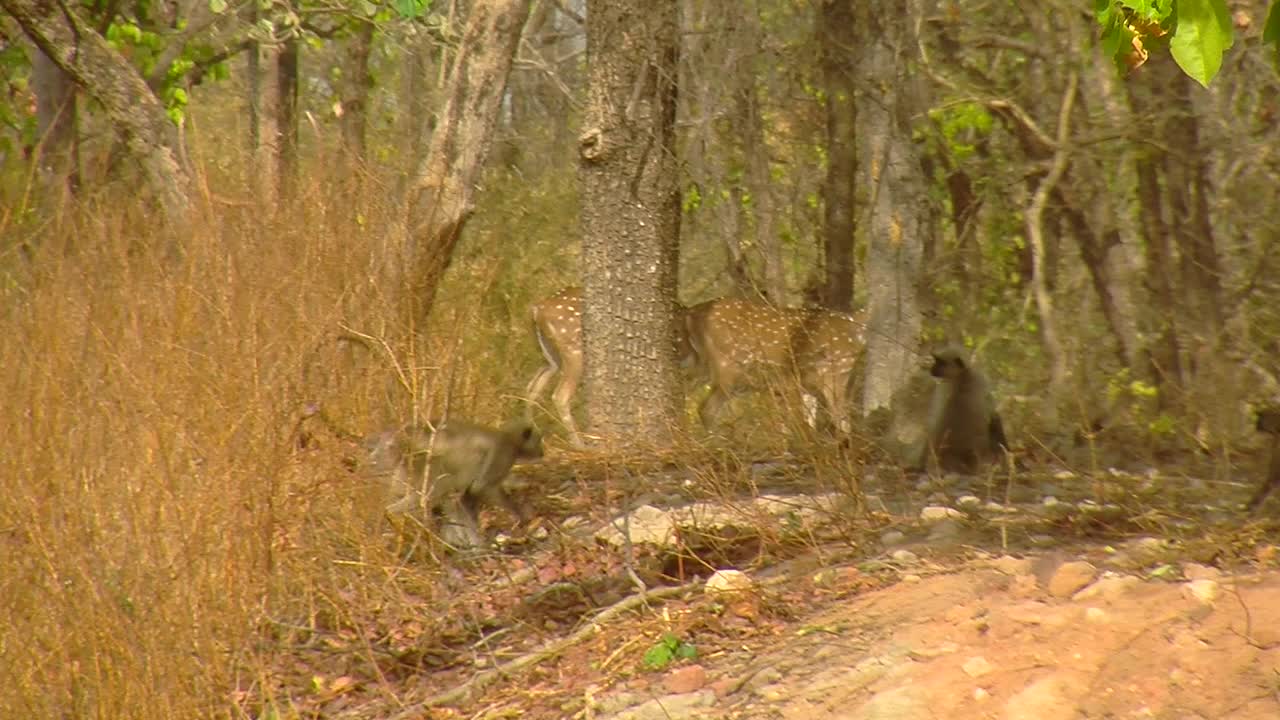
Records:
x=836, y=393
x=810, y=404
x=536, y=387
x=570, y=376
x=711, y=406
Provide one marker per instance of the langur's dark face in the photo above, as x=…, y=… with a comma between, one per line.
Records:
x=530, y=447
x=946, y=366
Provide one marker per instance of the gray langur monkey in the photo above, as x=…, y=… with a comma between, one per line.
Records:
x=964, y=429
x=1268, y=422
x=455, y=468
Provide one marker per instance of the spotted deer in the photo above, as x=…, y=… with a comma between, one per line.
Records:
x=557, y=325
x=736, y=343
x=743, y=344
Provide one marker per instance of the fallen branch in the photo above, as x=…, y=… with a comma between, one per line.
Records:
x=483, y=679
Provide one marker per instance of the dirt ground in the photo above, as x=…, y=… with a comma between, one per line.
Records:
x=932, y=616
x=990, y=640
x=1034, y=638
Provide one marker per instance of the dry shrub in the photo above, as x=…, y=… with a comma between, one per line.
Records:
x=159, y=520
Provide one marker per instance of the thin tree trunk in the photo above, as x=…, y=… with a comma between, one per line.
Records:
x=264, y=122
x=287, y=116
x=55, y=125
x=442, y=196
x=837, y=34
x=134, y=111
x=356, y=84
x=1166, y=362
x=630, y=220
x=1054, y=353
x=755, y=156
x=1108, y=251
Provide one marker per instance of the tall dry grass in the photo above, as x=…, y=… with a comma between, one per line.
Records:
x=163, y=540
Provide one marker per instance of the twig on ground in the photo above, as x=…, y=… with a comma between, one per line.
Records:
x=483, y=679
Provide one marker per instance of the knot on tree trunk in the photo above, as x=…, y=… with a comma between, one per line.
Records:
x=591, y=144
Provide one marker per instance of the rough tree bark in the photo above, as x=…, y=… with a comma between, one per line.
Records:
x=264, y=125
x=149, y=136
x=442, y=196
x=630, y=220
x=900, y=216
x=837, y=34
x=357, y=81
x=55, y=125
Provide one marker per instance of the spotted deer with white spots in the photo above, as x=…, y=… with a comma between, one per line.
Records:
x=744, y=344
x=557, y=325
x=737, y=343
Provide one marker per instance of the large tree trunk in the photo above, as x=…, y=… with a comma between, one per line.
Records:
x=630, y=219
x=442, y=197
x=900, y=216
x=837, y=34
x=149, y=136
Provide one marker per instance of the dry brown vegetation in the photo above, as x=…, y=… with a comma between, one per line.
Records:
x=162, y=530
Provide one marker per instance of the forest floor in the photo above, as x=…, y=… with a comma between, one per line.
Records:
x=1038, y=605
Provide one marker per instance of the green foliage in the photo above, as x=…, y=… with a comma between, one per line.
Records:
x=668, y=649
x=1271, y=32
x=960, y=124
x=692, y=199
x=1202, y=36
x=144, y=48
x=1196, y=32
x=1137, y=398
x=411, y=9
x=13, y=114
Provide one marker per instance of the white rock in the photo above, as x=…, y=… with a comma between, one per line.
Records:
x=1203, y=591
x=1196, y=571
x=647, y=524
x=1097, y=616
x=905, y=557
x=976, y=666
x=934, y=513
x=728, y=582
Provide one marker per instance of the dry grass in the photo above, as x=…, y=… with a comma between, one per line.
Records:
x=162, y=538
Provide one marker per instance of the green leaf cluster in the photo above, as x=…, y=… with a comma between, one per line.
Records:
x=960, y=125
x=1197, y=33
x=668, y=649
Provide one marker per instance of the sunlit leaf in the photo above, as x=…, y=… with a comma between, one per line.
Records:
x=1203, y=33
x=411, y=9
x=1271, y=31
